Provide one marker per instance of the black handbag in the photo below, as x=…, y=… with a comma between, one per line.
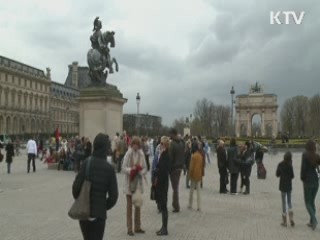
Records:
x=80, y=209
x=153, y=193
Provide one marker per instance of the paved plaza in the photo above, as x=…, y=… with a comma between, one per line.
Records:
x=34, y=207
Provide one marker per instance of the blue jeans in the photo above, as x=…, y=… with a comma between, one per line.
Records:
x=310, y=193
x=286, y=201
x=9, y=167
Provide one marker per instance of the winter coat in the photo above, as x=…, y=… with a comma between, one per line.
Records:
x=196, y=167
x=162, y=178
x=10, y=152
x=285, y=172
x=259, y=155
x=246, y=162
x=176, y=153
x=104, y=187
x=222, y=157
x=131, y=159
x=233, y=159
x=308, y=172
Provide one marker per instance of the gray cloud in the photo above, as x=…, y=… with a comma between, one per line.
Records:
x=174, y=61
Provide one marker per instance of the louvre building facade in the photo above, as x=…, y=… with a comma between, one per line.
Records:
x=32, y=104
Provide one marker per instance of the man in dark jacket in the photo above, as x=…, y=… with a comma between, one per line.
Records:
x=222, y=165
x=104, y=189
x=176, y=154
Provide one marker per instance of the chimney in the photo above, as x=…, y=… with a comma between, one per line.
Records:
x=74, y=78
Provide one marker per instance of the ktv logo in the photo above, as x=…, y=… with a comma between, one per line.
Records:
x=286, y=17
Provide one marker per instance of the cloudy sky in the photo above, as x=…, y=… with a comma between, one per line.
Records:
x=173, y=52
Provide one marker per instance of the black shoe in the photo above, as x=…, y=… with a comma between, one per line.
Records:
x=130, y=233
x=162, y=232
x=140, y=231
x=175, y=210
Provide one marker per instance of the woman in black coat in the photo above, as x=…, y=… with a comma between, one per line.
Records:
x=104, y=189
x=9, y=155
x=162, y=184
x=246, y=161
x=285, y=172
x=309, y=165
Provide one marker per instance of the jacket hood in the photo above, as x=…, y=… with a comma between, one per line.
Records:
x=100, y=146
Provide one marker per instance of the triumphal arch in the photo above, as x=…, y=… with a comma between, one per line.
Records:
x=256, y=103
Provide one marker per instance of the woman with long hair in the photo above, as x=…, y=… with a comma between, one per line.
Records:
x=134, y=167
x=309, y=177
x=162, y=184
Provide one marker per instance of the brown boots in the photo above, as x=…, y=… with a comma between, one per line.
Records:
x=284, y=219
x=291, y=218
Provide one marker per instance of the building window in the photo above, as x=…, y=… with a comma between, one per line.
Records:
x=19, y=99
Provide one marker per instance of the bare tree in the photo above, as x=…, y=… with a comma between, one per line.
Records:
x=314, y=116
x=287, y=116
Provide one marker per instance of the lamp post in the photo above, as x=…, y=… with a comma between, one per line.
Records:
x=67, y=112
x=232, y=92
x=138, y=99
x=190, y=123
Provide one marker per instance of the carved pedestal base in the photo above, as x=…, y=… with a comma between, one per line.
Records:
x=101, y=110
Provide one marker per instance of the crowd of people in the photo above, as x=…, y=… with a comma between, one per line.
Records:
x=171, y=156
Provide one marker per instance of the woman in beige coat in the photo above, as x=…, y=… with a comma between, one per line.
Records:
x=195, y=173
x=134, y=168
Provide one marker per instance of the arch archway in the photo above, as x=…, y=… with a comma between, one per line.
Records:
x=256, y=125
x=256, y=102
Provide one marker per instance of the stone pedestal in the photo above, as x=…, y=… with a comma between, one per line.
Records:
x=101, y=110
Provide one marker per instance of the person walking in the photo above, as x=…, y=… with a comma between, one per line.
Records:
x=196, y=172
x=187, y=162
x=285, y=173
x=134, y=167
x=87, y=148
x=222, y=165
x=104, y=189
x=57, y=138
x=207, y=150
x=176, y=153
x=162, y=184
x=9, y=155
x=122, y=151
x=309, y=176
x=233, y=165
x=32, y=153
x=246, y=162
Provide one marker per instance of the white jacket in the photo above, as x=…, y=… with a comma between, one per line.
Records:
x=32, y=147
x=130, y=159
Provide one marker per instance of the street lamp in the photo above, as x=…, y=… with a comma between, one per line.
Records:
x=67, y=112
x=138, y=99
x=232, y=92
x=190, y=122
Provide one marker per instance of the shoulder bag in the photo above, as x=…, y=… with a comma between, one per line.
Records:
x=80, y=209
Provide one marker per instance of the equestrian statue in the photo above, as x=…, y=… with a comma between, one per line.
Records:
x=99, y=60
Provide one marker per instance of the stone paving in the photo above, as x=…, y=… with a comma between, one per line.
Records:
x=34, y=207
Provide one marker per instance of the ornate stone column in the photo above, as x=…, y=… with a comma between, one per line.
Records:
x=263, y=127
x=248, y=124
x=237, y=124
x=274, y=123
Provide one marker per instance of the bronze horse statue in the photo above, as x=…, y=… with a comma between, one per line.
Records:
x=99, y=60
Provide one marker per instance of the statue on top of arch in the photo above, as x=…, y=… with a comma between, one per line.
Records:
x=256, y=88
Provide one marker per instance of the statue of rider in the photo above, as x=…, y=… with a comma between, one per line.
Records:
x=98, y=43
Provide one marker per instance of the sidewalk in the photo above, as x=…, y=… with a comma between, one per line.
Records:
x=34, y=206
